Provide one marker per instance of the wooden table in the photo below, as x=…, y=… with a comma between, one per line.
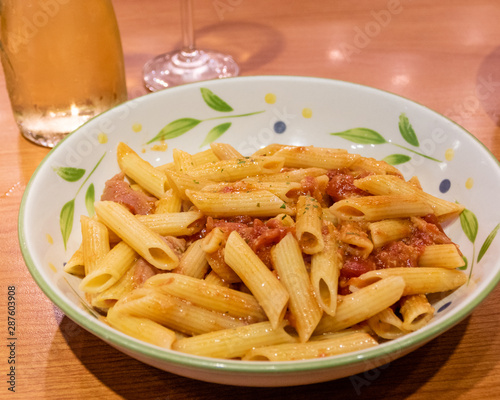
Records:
x=444, y=54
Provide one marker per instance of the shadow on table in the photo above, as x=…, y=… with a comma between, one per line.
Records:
x=132, y=379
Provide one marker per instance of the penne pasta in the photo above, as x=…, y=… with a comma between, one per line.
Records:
x=76, y=265
x=258, y=203
x=416, y=312
x=174, y=313
x=173, y=224
x=293, y=253
x=142, y=239
x=376, y=297
x=109, y=269
x=95, y=243
x=419, y=280
x=394, y=185
x=375, y=208
x=266, y=288
x=315, y=157
x=314, y=349
x=141, y=328
x=193, y=261
x=224, y=151
x=309, y=225
x=284, y=190
x=387, y=325
x=325, y=272
x=171, y=203
x=232, y=343
x=388, y=230
x=236, y=169
x=441, y=256
x=148, y=177
x=356, y=239
x=289, y=264
x=210, y=296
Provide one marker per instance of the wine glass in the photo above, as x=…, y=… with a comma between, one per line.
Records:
x=188, y=64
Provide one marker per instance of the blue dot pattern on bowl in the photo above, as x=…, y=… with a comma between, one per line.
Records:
x=279, y=127
x=444, y=186
x=444, y=307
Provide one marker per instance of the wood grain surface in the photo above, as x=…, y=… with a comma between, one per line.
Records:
x=443, y=54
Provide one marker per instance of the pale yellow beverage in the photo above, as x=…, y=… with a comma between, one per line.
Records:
x=63, y=64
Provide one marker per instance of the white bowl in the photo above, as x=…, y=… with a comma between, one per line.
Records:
x=449, y=161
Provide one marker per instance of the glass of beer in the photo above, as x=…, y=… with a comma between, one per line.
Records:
x=189, y=63
x=63, y=64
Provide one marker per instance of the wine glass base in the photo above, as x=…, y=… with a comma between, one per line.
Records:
x=177, y=68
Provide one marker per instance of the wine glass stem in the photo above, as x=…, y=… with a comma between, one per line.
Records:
x=188, y=43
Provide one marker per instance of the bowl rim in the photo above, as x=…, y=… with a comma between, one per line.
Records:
x=117, y=338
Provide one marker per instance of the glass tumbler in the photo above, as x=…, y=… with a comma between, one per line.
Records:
x=63, y=64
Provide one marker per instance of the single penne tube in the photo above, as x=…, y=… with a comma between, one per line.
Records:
x=289, y=264
x=325, y=272
x=224, y=151
x=378, y=167
x=262, y=283
x=357, y=240
x=180, y=182
x=375, y=298
x=200, y=158
x=394, y=185
x=259, y=203
x=142, y=172
x=233, y=343
x=388, y=230
x=236, y=169
x=214, y=279
x=317, y=157
x=220, y=267
x=141, y=328
x=330, y=335
x=193, y=261
x=174, y=313
x=204, y=157
x=319, y=348
x=375, y=208
x=142, y=239
x=173, y=224
x=75, y=264
x=183, y=161
x=416, y=311
x=108, y=297
x=284, y=190
x=109, y=269
x=213, y=241
x=169, y=204
x=95, y=242
x=309, y=225
x=387, y=325
x=284, y=219
x=292, y=175
x=419, y=280
x=441, y=256
x=206, y=295
x=269, y=150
